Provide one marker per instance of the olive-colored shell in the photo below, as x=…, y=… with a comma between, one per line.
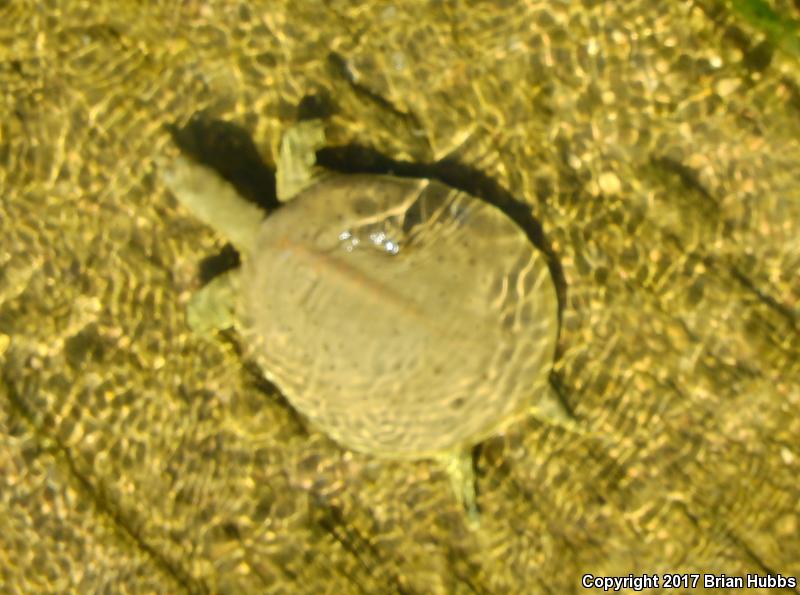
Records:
x=402, y=317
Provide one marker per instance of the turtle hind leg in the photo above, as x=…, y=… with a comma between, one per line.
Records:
x=459, y=468
x=550, y=409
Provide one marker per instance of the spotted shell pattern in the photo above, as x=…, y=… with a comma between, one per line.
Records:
x=402, y=317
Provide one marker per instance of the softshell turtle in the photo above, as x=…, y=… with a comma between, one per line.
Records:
x=402, y=317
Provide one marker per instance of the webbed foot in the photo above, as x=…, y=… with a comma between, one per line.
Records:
x=297, y=157
x=459, y=467
x=211, y=309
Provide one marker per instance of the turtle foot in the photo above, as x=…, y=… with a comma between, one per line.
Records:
x=211, y=309
x=459, y=467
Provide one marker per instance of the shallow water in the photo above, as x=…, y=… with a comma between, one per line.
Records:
x=658, y=146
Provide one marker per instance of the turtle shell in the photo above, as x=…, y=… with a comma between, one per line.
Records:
x=402, y=317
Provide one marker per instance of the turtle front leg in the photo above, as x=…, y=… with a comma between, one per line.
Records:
x=212, y=308
x=297, y=158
